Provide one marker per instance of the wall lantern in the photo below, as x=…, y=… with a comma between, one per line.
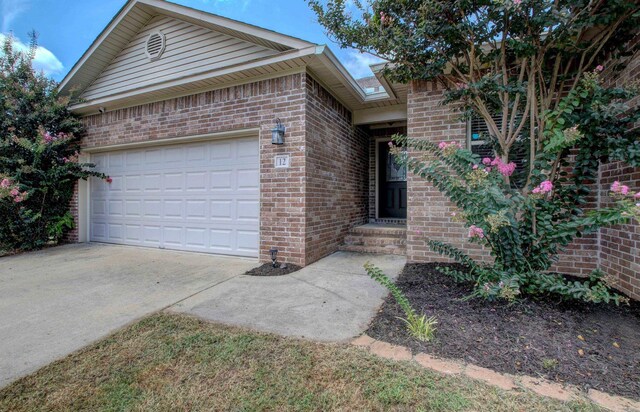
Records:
x=277, y=134
x=274, y=256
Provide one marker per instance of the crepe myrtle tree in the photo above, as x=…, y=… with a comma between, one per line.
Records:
x=533, y=71
x=39, y=143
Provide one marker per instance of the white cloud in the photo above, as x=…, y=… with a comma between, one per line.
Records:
x=10, y=10
x=358, y=63
x=44, y=59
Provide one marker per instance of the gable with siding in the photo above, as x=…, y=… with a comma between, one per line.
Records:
x=189, y=50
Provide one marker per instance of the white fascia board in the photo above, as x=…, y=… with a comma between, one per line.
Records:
x=310, y=51
x=266, y=34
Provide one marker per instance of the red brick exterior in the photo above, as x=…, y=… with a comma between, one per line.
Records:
x=292, y=200
x=620, y=245
x=337, y=173
x=429, y=212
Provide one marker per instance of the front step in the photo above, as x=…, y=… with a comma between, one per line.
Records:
x=378, y=250
x=377, y=238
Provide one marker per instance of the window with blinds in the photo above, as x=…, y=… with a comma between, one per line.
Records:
x=479, y=143
x=478, y=137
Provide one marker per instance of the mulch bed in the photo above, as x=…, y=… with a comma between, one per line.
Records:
x=591, y=346
x=268, y=270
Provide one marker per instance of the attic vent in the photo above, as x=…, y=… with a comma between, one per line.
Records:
x=155, y=45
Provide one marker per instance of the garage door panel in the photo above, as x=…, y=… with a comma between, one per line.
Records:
x=197, y=182
x=221, y=180
x=222, y=152
x=248, y=179
x=133, y=183
x=248, y=210
x=247, y=239
x=174, y=209
x=196, y=197
x=152, y=183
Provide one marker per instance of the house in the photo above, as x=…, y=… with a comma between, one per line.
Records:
x=181, y=106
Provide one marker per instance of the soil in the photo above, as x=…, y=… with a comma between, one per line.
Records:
x=587, y=345
x=268, y=270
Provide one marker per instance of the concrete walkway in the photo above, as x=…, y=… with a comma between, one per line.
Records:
x=58, y=300
x=331, y=300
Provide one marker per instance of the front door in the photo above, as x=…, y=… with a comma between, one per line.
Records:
x=392, y=185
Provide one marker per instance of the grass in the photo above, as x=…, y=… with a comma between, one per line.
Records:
x=176, y=362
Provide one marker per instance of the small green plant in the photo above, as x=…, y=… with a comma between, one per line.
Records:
x=420, y=327
x=549, y=363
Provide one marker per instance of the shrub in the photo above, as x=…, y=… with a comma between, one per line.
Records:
x=524, y=229
x=39, y=144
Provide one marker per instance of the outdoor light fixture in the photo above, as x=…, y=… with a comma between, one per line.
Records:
x=274, y=257
x=277, y=134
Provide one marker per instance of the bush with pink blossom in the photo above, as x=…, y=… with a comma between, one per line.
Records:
x=39, y=159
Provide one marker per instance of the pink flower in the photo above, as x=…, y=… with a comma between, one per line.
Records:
x=475, y=231
x=488, y=169
x=599, y=68
x=486, y=161
x=5, y=183
x=615, y=187
x=14, y=192
x=544, y=187
x=18, y=199
x=506, y=169
x=390, y=144
x=48, y=138
x=384, y=18
x=108, y=179
x=475, y=167
x=637, y=196
x=517, y=2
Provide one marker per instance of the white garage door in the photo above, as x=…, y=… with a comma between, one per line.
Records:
x=200, y=197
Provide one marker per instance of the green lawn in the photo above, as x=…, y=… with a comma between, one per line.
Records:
x=172, y=362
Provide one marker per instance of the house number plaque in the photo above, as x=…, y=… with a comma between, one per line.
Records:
x=282, y=161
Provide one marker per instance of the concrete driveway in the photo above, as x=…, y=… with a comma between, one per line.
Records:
x=56, y=301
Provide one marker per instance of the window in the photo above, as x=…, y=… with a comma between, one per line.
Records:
x=477, y=137
x=478, y=133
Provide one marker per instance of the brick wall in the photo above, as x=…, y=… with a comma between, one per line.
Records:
x=337, y=172
x=620, y=245
x=305, y=210
x=255, y=105
x=429, y=212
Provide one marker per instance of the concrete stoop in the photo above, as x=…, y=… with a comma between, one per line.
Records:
x=503, y=381
x=379, y=238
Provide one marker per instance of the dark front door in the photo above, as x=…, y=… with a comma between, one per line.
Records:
x=392, y=185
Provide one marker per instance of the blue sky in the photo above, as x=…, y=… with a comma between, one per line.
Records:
x=66, y=28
